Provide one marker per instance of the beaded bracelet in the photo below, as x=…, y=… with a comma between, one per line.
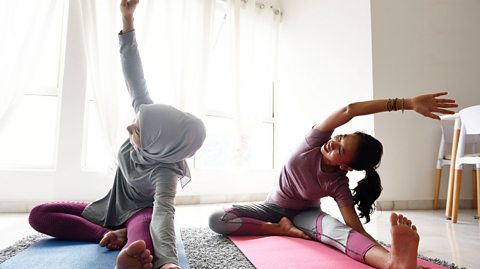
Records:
x=392, y=104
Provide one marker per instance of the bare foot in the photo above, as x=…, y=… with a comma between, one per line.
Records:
x=287, y=228
x=170, y=266
x=404, y=243
x=135, y=256
x=114, y=239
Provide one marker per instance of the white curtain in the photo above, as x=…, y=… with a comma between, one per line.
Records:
x=173, y=37
x=27, y=29
x=100, y=21
x=254, y=37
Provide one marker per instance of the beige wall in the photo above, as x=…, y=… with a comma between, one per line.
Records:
x=325, y=62
x=421, y=46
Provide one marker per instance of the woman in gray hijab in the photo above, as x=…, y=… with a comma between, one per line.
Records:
x=137, y=214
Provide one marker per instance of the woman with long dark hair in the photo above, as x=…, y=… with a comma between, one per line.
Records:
x=318, y=168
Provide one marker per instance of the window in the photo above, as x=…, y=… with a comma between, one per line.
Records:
x=30, y=75
x=97, y=156
x=240, y=93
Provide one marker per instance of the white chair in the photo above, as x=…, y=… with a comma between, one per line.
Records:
x=444, y=158
x=450, y=131
x=470, y=127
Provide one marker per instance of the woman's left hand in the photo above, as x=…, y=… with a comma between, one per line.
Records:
x=428, y=104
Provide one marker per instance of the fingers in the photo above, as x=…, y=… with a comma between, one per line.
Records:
x=447, y=105
x=443, y=111
x=439, y=94
x=133, y=2
x=443, y=101
x=431, y=115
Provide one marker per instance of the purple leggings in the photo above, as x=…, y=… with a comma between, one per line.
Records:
x=63, y=220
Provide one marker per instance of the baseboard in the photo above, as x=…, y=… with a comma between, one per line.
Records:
x=418, y=204
x=219, y=198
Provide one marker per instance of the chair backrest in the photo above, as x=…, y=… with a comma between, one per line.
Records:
x=470, y=118
x=447, y=125
x=447, y=130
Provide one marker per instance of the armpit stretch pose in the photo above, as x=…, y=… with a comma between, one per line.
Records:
x=318, y=168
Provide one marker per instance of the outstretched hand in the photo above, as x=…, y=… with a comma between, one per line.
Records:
x=428, y=104
x=128, y=8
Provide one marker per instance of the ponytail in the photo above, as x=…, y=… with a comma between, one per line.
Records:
x=368, y=190
x=366, y=193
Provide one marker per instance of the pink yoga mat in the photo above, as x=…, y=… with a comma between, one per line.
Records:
x=276, y=252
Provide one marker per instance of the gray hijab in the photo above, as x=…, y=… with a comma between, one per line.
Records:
x=168, y=136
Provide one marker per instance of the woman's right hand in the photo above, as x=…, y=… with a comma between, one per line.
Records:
x=128, y=8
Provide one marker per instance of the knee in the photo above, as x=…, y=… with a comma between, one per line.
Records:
x=215, y=221
x=219, y=222
x=35, y=218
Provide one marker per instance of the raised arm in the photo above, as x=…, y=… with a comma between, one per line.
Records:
x=425, y=105
x=130, y=58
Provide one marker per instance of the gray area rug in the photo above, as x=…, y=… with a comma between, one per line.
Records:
x=19, y=246
x=204, y=249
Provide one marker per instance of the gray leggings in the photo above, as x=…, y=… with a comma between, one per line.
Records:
x=248, y=219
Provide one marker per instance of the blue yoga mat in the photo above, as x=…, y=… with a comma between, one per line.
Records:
x=56, y=254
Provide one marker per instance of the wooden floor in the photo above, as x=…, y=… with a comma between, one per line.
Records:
x=458, y=243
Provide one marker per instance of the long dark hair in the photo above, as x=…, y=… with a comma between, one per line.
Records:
x=368, y=190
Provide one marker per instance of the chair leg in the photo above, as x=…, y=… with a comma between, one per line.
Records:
x=451, y=177
x=478, y=193
x=451, y=184
x=456, y=195
x=474, y=188
x=436, y=192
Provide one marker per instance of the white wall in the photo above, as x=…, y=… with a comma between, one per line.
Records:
x=421, y=46
x=325, y=62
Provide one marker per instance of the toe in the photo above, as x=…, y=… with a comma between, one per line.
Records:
x=105, y=239
x=393, y=219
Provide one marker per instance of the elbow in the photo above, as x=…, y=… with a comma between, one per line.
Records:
x=352, y=110
x=349, y=110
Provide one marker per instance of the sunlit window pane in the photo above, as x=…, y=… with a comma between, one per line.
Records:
x=29, y=79
x=220, y=80
x=27, y=137
x=226, y=148
x=97, y=156
x=32, y=55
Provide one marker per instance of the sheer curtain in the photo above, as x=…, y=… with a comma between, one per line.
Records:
x=31, y=54
x=173, y=37
x=29, y=27
x=100, y=20
x=208, y=57
x=240, y=94
x=255, y=29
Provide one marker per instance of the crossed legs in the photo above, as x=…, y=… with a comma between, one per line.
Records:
x=63, y=220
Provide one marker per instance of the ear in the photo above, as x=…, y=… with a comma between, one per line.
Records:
x=345, y=167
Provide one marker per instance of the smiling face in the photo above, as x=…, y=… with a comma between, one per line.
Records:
x=340, y=151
